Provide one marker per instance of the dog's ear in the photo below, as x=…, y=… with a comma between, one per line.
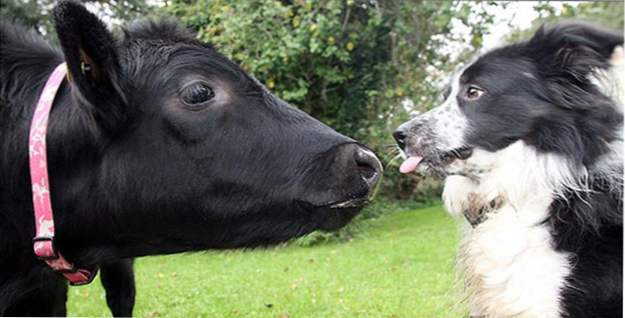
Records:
x=573, y=50
x=567, y=55
x=92, y=60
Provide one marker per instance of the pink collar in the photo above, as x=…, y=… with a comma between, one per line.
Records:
x=43, y=242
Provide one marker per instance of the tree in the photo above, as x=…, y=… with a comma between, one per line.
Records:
x=603, y=13
x=31, y=13
x=36, y=14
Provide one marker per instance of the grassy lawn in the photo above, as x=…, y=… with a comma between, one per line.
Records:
x=402, y=266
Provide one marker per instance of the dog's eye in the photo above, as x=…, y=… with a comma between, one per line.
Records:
x=473, y=93
x=196, y=94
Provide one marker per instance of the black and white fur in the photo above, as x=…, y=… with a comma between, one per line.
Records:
x=536, y=126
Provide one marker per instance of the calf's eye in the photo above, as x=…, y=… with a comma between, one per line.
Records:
x=195, y=95
x=473, y=93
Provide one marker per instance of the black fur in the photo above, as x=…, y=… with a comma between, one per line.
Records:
x=134, y=171
x=540, y=92
x=118, y=280
x=558, y=109
x=590, y=227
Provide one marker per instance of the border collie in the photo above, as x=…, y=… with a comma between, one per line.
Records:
x=529, y=139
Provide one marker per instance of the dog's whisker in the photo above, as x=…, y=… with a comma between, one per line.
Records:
x=393, y=160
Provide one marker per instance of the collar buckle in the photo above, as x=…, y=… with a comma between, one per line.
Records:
x=44, y=248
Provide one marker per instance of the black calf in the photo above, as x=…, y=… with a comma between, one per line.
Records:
x=157, y=144
x=118, y=280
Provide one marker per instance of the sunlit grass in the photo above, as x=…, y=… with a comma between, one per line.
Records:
x=401, y=267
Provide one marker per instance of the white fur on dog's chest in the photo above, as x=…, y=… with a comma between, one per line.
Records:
x=510, y=267
x=508, y=261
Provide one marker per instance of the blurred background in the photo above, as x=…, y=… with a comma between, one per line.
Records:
x=362, y=67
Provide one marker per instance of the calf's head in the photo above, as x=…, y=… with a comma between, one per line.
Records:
x=192, y=152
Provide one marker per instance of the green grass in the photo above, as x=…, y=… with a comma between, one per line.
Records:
x=401, y=267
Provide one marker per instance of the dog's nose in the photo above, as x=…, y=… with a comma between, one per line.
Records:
x=369, y=166
x=400, y=138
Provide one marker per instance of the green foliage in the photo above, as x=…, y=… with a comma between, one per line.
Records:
x=31, y=13
x=37, y=13
x=603, y=13
x=607, y=14
x=321, y=56
x=120, y=11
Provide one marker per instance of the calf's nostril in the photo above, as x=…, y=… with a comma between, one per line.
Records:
x=369, y=166
x=400, y=138
x=366, y=171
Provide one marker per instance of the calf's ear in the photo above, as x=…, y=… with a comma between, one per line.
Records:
x=92, y=61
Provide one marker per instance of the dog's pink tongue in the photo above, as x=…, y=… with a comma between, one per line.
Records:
x=410, y=164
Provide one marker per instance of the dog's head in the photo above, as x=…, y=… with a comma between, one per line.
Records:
x=542, y=92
